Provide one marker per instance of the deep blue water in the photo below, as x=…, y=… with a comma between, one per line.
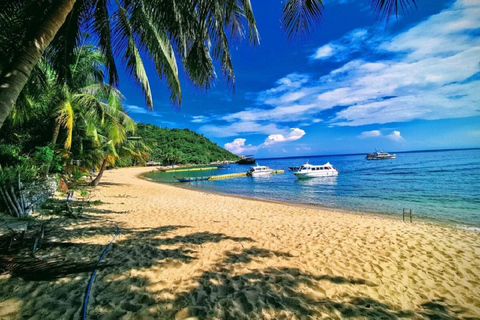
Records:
x=437, y=185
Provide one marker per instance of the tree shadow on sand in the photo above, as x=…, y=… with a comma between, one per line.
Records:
x=65, y=257
x=284, y=293
x=227, y=290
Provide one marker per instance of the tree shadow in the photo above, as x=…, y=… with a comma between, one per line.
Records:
x=227, y=290
x=200, y=238
x=247, y=255
x=282, y=293
x=105, y=183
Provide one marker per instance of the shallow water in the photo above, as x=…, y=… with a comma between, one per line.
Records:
x=437, y=185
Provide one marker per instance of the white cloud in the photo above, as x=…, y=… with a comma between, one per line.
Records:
x=303, y=148
x=429, y=74
x=295, y=134
x=136, y=109
x=238, y=146
x=324, y=52
x=238, y=128
x=396, y=136
x=428, y=71
x=277, y=114
x=199, y=119
x=132, y=109
x=371, y=134
x=339, y=50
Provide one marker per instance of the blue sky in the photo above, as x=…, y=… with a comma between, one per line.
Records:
x=353, y=85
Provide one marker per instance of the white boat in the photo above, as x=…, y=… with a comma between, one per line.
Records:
x=259, y=171
x=313, y=171
x=380, y=155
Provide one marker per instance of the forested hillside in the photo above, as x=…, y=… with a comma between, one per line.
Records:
x=170, y=146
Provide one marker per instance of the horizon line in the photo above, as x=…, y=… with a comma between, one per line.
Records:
x=363, y=153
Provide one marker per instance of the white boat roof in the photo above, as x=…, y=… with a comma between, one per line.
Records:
x=258, y=167
x=316, y=165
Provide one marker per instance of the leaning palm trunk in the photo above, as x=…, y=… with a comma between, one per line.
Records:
x=96, y=181
x=14, y=199
x=15, y=76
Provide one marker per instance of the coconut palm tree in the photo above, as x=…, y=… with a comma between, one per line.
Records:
x=193, y=30
x=196, y=31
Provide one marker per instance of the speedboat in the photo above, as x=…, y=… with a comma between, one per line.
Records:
x=259, y=171
x=380, y=155
x=313, y=171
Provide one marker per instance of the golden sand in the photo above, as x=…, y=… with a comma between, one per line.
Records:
x=185, y=254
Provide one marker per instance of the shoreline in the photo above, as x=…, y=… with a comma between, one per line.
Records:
x=381, y=215
x=187, y=254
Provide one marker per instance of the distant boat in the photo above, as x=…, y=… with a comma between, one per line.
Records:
x=380, y=155
x=247, y=160
x=294, y=168
x=313, y=171
x=259, y=171
x=190, y=179
x=225, y=166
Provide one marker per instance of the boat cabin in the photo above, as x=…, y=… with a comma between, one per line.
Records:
x=309, y=167
x=260, y=169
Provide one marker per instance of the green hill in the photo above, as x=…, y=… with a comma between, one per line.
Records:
x=170, y=146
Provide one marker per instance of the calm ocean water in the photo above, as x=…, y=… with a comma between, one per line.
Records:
x=437, y=185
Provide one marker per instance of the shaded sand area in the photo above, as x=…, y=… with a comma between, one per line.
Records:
x=185, y=254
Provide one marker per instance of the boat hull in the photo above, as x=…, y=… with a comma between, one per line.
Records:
x=258, y=174
x=308, y=175
x=381, y=157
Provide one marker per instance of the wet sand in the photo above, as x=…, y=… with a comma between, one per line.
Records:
x=184, y=254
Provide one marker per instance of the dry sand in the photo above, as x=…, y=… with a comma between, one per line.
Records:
x=186, y=254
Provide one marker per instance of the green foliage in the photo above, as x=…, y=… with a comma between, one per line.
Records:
x=46, y=155
x=9, y=175
x=11, y=155
x=77, y=174
x=176, y=146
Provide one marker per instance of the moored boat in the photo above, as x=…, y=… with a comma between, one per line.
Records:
x=294, y=168
x=313, y=171
x=190, y=179
x=380, y=155
x=246, y=160
x=259, y=171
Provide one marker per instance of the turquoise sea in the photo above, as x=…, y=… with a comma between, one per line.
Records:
x=443, y=186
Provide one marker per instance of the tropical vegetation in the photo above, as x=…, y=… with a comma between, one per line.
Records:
x=61, y=113
x=64, y=126
x=179, y=146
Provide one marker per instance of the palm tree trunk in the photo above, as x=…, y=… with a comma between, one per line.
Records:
x=96, y=181
x=56, y=131
x=15, y=76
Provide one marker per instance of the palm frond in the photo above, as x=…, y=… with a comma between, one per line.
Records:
x=157, y=44
x=387, y=8
x=299, y=16
x=126, y=43
x=102, y=26
x=252, y=25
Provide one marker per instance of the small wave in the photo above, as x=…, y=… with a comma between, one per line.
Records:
x=469, y=228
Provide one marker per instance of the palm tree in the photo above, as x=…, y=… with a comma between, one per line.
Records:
x=193, y=30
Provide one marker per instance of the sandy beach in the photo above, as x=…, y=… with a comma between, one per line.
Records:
x=184, y=254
